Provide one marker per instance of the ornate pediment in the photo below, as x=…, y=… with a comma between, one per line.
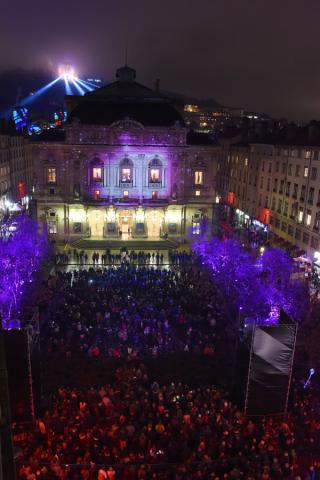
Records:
x=127, y=124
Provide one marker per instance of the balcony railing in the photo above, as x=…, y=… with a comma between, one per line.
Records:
x=154, y=184
x=155, y=201
x=126, y=184
x=126, y=200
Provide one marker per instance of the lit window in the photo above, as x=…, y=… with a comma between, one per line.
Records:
x=52, y=175
x=308, y=222
x=126, y=175
x=198, y=193
x=246, y=162
x=300, y=216
x=154, y=175
x=198, y=177
x=126, y=194
x=52, y=226
x=154, y=195
x=196, y=228
x=305, y=172
x=97, y=194
x=97, y=173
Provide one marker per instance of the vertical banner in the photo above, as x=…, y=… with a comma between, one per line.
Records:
x=19, y=375
x=270, y=369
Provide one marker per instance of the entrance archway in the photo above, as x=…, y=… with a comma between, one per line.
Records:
x=96, y=223
x=154, y=219
x=125, y=223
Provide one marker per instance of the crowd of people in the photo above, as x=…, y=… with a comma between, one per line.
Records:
x=109, y=257
x=130, y=311
x=139, y=429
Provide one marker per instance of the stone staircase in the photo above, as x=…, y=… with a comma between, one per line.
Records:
x=131, y=244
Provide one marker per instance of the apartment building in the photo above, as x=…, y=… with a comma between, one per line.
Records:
x=278, y=184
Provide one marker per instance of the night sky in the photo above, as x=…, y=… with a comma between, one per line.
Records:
x=259, y=54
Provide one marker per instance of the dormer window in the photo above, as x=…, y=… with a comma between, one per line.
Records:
x=97, y=174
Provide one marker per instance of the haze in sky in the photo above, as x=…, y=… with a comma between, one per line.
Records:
x=261, y=55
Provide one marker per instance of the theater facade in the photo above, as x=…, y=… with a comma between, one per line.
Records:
x=124, y=166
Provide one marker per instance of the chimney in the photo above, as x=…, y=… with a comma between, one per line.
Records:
x=157, y=89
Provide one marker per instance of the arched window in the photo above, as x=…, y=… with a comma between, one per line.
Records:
x=155, y=172
x=126, y=172
x=96, y=170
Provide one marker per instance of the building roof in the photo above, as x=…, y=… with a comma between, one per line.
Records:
x=106, y=113
x=200, y=138
x=51, y=135
x=125, y=98
x=293, y=136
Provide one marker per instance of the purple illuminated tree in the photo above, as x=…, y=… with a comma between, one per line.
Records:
x=258, y=287
x=21, y=255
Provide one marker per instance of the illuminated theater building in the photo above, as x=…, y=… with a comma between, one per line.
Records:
x=124, y=166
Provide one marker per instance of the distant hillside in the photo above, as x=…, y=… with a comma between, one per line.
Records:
x=181, y=99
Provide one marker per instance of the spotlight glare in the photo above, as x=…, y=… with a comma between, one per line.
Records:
x=67, y=72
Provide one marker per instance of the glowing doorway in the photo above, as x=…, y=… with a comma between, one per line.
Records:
x=154, y=222
x=125, y=223
x=96, y=223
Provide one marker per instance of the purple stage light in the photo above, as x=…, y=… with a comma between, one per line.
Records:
x=90, y=84
x=77, y=86
x=39, y=92
x=85, y=85
x=67, y=86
